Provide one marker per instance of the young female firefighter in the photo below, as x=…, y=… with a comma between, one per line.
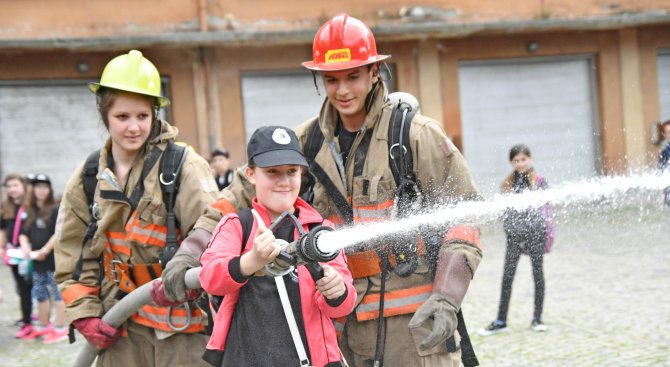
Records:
x=117, y=222
x=419, y=284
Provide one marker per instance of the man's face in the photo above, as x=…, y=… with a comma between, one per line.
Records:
x=347, y=89
x=220, y=164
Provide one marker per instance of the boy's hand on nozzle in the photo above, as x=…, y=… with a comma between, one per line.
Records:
x=331, y=285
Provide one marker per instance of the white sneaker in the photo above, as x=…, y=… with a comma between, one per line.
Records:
x=538, y=326
x=493, y=328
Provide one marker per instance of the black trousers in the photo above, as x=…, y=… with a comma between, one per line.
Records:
x=23, y=289
x=533, y=245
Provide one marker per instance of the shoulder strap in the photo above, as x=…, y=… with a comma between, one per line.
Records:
x=89, y=175
x=400, y=149
x=171, y=162
x=247, y=221
x=90, y=181
x=312, y=146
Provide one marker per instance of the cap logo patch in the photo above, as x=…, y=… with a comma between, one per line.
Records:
x=338, y=55
x=280, y=136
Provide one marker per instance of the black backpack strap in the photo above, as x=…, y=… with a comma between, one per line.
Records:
x=400, y=149
x=247, y=221
x=171, y=162
x=90, y=181
x=315, y=140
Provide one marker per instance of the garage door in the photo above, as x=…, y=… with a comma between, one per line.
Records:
x=663, y=72
x=285, y=98
x=545, y=103
x=49, y=128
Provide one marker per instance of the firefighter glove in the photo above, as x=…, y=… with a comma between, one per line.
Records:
x=442, y=312
x=173, y=283
x=159, y=297
x=98, y=333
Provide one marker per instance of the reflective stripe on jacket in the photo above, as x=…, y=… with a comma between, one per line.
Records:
x=126, y=238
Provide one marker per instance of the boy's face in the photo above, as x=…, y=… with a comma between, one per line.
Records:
x=347, y=89
x=522, y=163
x=220, y=164
x=277, y=187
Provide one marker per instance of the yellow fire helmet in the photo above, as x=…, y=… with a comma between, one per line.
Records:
x=133, y=73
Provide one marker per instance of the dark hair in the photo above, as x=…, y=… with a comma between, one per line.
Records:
x=518, y=149
x=251, y=164
x=105, y=98
x=30, y=205
x=8, y=206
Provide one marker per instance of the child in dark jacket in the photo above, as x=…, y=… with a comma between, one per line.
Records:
x=250, y=326
x=527, y=233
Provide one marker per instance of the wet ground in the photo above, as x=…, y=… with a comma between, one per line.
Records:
x=607, y=297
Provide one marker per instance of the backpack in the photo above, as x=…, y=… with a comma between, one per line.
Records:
x=171, y=162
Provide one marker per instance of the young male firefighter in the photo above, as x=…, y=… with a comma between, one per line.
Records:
x=348, y=145
x=121, y=213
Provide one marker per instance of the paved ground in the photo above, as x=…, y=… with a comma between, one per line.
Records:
x=607, y=297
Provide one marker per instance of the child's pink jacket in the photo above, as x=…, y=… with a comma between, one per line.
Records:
x=215, y=279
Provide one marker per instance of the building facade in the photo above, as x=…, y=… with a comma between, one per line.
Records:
x=581, y=82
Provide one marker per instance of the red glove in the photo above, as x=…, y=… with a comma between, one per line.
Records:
x=160, y=298
x=98, y=333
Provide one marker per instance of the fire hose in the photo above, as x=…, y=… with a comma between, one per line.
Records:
x=303, y=251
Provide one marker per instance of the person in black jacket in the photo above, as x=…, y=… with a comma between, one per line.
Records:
x=37, y=241
x=526, y=232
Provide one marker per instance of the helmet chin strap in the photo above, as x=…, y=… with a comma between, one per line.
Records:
x=315, y=84
x=369, y=98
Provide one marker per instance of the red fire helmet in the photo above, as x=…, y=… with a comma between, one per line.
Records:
x=342, y=43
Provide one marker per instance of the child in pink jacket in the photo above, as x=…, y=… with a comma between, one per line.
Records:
x=250, y=327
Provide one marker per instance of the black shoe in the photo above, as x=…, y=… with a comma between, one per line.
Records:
x=493, y=328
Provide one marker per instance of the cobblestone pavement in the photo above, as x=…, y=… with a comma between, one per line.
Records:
x=607, y=298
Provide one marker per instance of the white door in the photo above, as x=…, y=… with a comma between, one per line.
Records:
x=48, y=128
x=545, y=103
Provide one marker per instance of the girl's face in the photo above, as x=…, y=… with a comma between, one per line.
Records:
x=15, y=190
x=277, y=187
x=129, y=120
x=347, y=89
x=522, y=163
x=666, y=132
x=42, y=191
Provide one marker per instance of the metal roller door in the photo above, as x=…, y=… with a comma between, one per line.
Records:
x=663, y=75
x=48, y=128
x=279, y=98
x=545, y=103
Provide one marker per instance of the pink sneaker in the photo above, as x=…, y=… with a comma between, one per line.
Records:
x=55, y=336
x=25, y=330
x=35, y=333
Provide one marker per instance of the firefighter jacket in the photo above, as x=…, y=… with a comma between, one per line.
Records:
x=442, y=176
x=123, y=253
x=316, y=312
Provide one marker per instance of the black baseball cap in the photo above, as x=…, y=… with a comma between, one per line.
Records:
x=275, y=146
x=41, y=178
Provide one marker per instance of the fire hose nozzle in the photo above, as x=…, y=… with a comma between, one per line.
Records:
x=304, y=250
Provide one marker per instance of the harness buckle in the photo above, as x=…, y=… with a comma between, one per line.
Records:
x=113, y=270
